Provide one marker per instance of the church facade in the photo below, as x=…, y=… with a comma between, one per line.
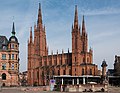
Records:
x=42, y=66
x=9, y=60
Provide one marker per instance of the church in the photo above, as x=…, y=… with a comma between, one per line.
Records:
x=42, y=66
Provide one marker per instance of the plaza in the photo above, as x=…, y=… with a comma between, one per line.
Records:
x=20, y=90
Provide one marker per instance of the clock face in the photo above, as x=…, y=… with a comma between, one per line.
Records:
x=1, y=39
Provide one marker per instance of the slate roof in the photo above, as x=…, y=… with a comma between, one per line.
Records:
x=3, y=42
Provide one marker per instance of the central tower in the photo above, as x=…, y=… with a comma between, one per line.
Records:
x=40, y=36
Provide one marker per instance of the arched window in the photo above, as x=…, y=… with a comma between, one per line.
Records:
x=58, y=72
x=64, y=72
x=70, y=71
x=3, y=76
x=37, y=74
x=90, y=71
x=83, y=71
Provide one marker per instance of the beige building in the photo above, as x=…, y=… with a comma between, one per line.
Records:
x=9, y=60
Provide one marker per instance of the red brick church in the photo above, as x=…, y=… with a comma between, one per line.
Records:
x=42, y=67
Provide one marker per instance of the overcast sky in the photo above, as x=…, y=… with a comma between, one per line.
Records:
x=102, y=19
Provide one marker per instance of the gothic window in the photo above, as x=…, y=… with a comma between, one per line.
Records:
x=37, y=74
x=4, y=66
x=90, y=71
x=12, y=66
x=3, y=56
x=58, y=72
x=12, y=56
x=64, y=72
x=69, y=71
x=3, y=76
x=82, y=71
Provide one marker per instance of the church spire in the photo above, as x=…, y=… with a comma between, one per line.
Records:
x=76, y=18
x=39, y=15
x=31, y=35
x=13, y=30
x=83, y=26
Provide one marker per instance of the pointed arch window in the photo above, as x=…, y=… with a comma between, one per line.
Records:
x=64, y=73
x=83, y=71
x=58, y=72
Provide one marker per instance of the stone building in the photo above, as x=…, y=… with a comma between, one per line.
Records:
x=9, y=60
x=42, y=67
x=117, y=66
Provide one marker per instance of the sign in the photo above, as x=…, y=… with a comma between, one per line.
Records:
x=52, y=83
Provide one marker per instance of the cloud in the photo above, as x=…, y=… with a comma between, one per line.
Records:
x=101, y=11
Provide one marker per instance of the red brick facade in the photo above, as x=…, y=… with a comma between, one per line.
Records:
x=42, y=67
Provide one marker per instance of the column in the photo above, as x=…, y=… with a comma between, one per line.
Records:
x=73, y=81
x=77, y=81
x=62, y=81
x=84, y=80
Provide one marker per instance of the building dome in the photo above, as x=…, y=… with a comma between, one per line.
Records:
x=13, y=39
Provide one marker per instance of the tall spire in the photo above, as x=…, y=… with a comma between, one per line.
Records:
x=39, y=15
x=83, y=26
x=13, y=30
x=31, y=35
x=76, y=18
